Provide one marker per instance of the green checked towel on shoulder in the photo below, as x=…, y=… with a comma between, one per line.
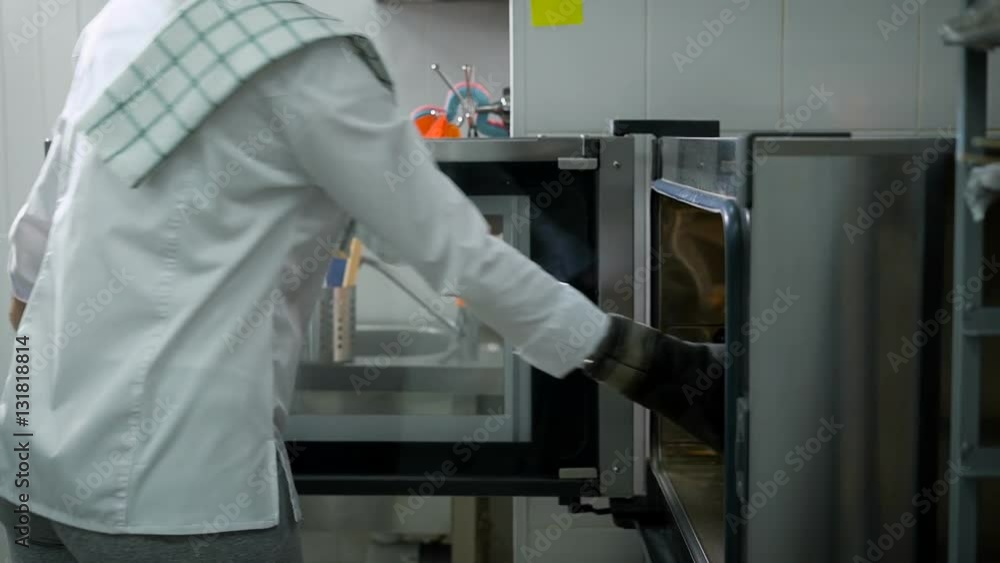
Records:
x=194, y=64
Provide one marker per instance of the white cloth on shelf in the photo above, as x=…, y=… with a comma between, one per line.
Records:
x=982, y=190
x=978, y=26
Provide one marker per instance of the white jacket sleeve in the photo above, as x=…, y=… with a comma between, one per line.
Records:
x=29, y=234
x=353, y=143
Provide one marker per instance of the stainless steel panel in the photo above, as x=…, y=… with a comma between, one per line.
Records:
x=577, y=163
x=642, y=176
x=989, y=428
x=623, y=187
x=456, y=380
x=397, y=428
x=542, y=149
x=715, y=165
x=825, y=360
x=577, y=473
x=991, y=250
x=989, y=407
x=826, y=357
x=823, y=147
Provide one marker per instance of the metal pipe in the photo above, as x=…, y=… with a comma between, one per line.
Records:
x=437, y=69
x=380, y=268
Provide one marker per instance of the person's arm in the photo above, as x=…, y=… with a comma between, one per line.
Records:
x=29, y=234
x=352, y=142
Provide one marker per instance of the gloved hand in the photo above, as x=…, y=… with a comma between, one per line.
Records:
x=661, y=373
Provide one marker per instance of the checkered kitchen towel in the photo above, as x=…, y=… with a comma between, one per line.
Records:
x=195, y=63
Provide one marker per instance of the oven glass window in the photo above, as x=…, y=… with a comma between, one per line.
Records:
x=690, y=304
x=421, y=365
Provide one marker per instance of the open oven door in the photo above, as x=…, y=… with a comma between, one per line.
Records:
x=699, y=292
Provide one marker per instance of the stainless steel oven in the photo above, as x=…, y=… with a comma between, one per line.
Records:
x=394, y=419
x=813, y=259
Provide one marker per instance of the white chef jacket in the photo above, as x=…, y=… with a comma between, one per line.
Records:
x=165, y=322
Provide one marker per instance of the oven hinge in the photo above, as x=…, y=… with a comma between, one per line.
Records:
x=578, y=473
x=577, y=163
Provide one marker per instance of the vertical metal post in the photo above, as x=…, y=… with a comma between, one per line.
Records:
x=967, y=354
x=615, y=208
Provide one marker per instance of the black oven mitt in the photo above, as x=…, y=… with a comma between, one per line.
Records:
x=680, y=380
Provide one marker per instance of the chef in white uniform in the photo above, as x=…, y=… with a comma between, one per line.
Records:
x=207, y=151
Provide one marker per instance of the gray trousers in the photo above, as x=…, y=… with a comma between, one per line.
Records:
x=52, y=542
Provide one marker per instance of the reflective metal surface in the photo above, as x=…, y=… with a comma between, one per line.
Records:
x=989, y=431
x=424, y=343
x=642, y=175
x=507, y=150
x=625, y=177
x=691, y=477
x=692, y=277
x=458, y=379
x=691, y=303
x=834, y=289
x=715, y=165
x=830, y=406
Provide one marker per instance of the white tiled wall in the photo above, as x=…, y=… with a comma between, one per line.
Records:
x=574, y=77
x=744, y=62
x=939, y=66
x=625, y=60
x=838, y=45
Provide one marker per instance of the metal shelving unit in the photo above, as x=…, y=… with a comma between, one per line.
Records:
x=971, y=326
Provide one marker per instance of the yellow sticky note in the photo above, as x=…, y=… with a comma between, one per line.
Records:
x=548, y=13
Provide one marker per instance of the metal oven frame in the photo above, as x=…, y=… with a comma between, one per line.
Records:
x=621, y=169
